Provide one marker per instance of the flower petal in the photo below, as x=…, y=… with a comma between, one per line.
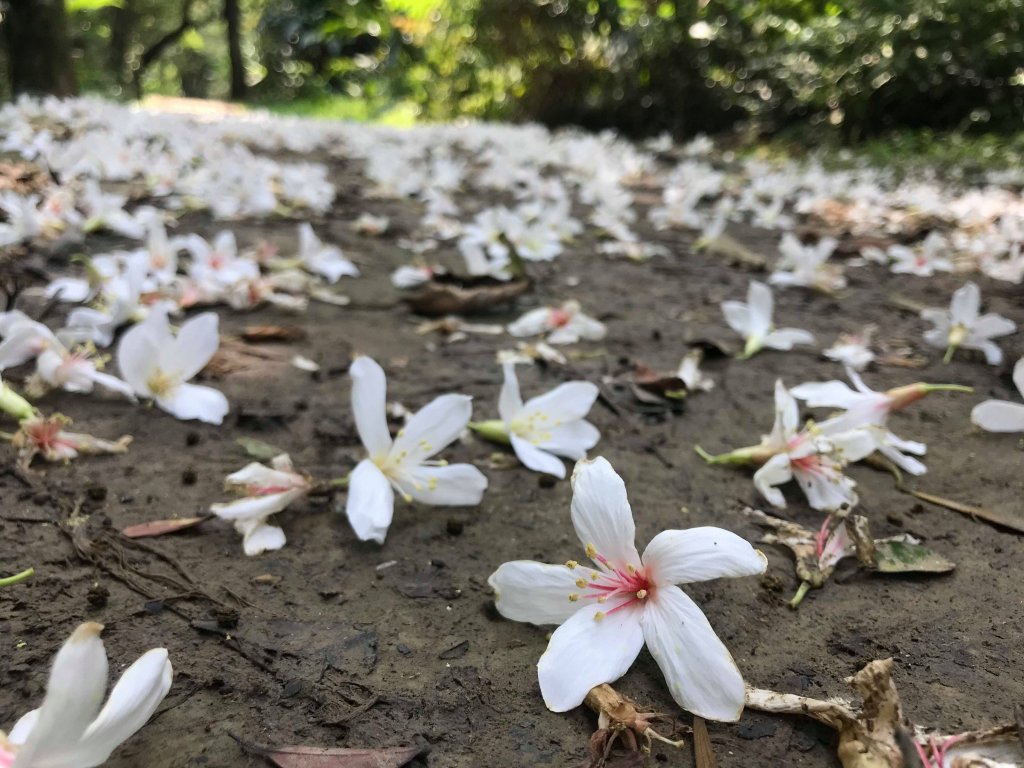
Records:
x=532, y=323
x=194, y=401
x=785, y=338
x=371, y=502
x=828, y=394
x=601, y=513
x=775, y=471
x=566, y=402
x=571, y=440
x=451, y=485
x=761, y=306
x=991, y=325
x=1018, y=376
x=965, y=305
x=737, y=315
x=138, y=353
x=432, y=428
x=132, y=702
x=787, y=415
x=510, y=402
x=700, y=554
x=999, y=416
x=587, y=651
x=369, y=407
x=536, y=593
x=255, y=507
x=258, y=537
x=196, y=343
x=537, y=459
x=74, y=694
x=699, y=670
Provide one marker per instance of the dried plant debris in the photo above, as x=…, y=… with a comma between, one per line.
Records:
x=451, y=295
x=877, y=735
x=816, y=553
x=621, y=724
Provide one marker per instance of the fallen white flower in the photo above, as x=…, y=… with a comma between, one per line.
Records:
x=564, y=325
x=753, y=321
x=1002, y=415
x=607, y=613
x=962, y=325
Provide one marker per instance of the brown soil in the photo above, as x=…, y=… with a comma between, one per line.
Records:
x=361, y=645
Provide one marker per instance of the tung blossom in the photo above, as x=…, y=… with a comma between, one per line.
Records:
x=545, y=427
x=563, y=325
x=46, y=436
x=853, y=350
x=608, y=612
x=265, y=490
x=962, y=325
x=325, y=260
x=807, y=265
x=404, y=464
x=753, y=321
x=1002, y=415
x=70, y=730
x=159, y=365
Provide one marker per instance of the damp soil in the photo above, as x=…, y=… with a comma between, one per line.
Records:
x=335, y=642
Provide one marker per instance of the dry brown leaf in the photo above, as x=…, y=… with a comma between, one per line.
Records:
x=450, y=295
x=258, y=334
x=162, y=527
x=332, y=757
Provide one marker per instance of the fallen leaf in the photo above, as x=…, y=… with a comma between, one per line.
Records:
x=273, y=333
x=161, y=527
x=450, y=295
x=258, y=449
x=733, y=252
x=1004, y=519
x=903, y=554
x=330, y=757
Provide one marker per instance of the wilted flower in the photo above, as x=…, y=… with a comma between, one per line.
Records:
x=46, y=436
x=853, y=350
x=753, y=321
x=608, y=612
x=265, y=490
x=70, y=730
x=962, y=325
x=545, y=427
x=403, y=464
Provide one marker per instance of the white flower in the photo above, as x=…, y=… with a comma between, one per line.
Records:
x=159, y=365
x=547, y=426
x=70, y=730
x=118, y=305
x=324, y=260
x=564, y=325
x=753, y=321
x=962, y=325
x=403, y=464
x=853, y=350
x=807, y=265
x=218, y=266
x=368, y=224
x=1002, y=415
x=691, y=375
x=265, y=490
x=610, y=611
x=924, y=260
x=24, y=220
x=411, y=276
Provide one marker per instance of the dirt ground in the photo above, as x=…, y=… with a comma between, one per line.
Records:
x=355, y=644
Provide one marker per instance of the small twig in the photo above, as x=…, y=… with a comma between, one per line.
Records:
x=702, y=749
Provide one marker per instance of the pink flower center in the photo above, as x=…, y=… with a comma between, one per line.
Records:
x=625, y=585
x=934, y=754
x=47, y=435
x=559, y=317
x=266, y=490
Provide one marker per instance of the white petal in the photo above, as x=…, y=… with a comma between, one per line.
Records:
x=132, y=702
x=534, y=592
x=23, y=728
x=827, y=394
x=993, y=354
x=787, y=415
x=999, y=416
x=856, y=444
x=1018, y=376
x=260, y=537
x=112, y=383
x=195, y=345
x=537, y=459
x=992, y=325
x=700, y=554
x=586, y=327
x=601, y=513
x=825, y=485
x=255, y=507
x=452, y=485
x=23, y=342
x=192, y=401
x=965, y=305
x=701, y=674
x=737, y=315
x=138, y=354
x=369, y=394
x=566, y=402
x=784, y=338
x=510, y=402
x=571, y=440
x=532, y=323
x=775, y=471
x=74, y=694
x=761, y=305
x=371, y=502
x=432, y=428
x=586, y=651
x=906, y=463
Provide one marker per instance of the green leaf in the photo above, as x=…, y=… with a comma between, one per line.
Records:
x=91, y=5
x=904, y=555
x=257, y=449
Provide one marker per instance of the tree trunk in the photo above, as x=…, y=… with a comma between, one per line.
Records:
x=38, y=47
x=122, y=20
x=233, y=17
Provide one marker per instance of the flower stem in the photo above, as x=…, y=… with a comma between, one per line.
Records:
x=749, y=455
x=494, y=430
x=17, y=577
x=949, y=353
x=801, y=592
x=948, y=388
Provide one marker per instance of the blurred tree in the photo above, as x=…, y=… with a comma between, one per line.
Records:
x=233, y=22
x=38, y=50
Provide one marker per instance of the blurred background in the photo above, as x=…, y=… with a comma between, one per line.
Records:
x=850, y=69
